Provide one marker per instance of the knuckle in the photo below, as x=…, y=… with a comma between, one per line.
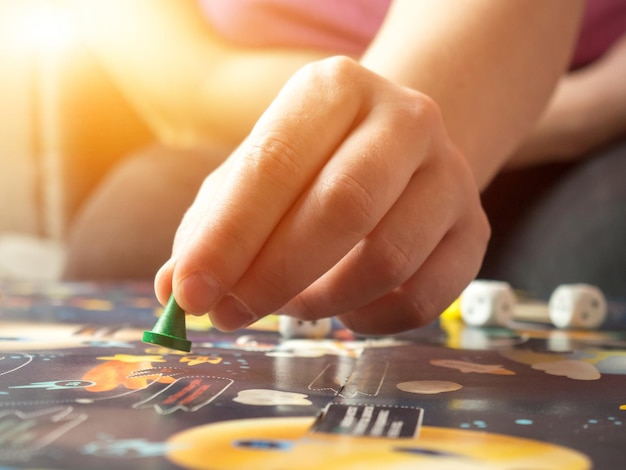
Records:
x=417, y=108
x=274, y=285
x=393, y=263
x=417, y=117
x=336, y=70
x=417, y=311
x=347, y=204
x=340, y=68
x=274, y=156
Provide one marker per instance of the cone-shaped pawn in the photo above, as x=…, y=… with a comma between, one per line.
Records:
x=170, y=330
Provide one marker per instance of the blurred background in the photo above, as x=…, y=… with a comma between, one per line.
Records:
x=62, y=125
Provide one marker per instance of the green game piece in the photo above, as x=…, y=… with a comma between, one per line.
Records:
x=170, y=329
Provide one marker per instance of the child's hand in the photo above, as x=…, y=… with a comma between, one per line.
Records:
x=348, y=198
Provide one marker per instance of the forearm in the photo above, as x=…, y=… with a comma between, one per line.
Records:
x=188, y=84
x=490, y=66
x=570, y=126
x=587, y=111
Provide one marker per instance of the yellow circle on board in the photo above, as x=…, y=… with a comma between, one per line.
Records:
x=283, y=443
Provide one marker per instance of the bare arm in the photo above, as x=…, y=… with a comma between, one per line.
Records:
x=587, y=111
x=490, y=65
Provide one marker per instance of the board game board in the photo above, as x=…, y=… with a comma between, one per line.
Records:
x=79, y=390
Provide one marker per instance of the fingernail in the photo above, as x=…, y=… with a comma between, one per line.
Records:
x=198, y=292
x=158, y=281
x=231, y=314
x=164, y=267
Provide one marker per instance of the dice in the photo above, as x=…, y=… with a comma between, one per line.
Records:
x=291, y=328
x=493, y=303
x=577, y=306
x=488, y=303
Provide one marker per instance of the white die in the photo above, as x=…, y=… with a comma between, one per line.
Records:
x=488, y=303
x=290, y=327
x=577, y=306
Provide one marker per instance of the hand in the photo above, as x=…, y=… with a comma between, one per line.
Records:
x=347, y=198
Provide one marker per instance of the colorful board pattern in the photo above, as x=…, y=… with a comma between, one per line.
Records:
x=78, y=390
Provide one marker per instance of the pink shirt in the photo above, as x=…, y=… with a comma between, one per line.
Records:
x=347, y=26
x=340, y=26
x=603, y=24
